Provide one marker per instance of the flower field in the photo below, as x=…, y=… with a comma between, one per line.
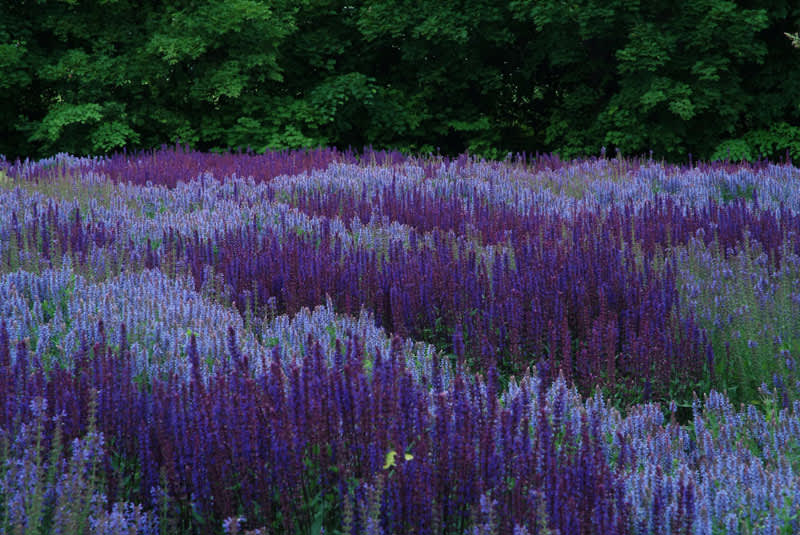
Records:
x=313, y=342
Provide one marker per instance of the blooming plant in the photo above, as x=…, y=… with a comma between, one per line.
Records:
x=195, y=343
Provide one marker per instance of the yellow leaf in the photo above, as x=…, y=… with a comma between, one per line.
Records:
x=389, y=459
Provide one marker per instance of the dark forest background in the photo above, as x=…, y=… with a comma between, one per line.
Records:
x=711, y=78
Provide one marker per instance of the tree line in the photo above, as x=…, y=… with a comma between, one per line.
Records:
x=709, y=78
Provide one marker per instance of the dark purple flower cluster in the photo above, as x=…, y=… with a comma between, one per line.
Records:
x=394, y=455
x=155, y=309
x=169, y=166
x=257, y=443
x=590, y=292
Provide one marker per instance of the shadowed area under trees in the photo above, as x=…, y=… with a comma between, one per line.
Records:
x=710, y=78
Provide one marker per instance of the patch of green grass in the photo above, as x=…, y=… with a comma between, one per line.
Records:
x=750, y=310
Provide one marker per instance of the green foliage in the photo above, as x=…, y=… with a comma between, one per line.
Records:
x=735, y=150
x=728, y=193
x=768, y=143
x=754, y=333
x=101, y=76
x=701, y=76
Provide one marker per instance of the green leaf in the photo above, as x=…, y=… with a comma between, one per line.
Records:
x=390, y=460
x=64, y=114
x=112, y=135
x=683, y=108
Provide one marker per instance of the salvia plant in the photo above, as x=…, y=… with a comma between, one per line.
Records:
x=323, y=342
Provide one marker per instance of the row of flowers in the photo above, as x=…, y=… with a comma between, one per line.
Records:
x=208, y=336
x=337, y=438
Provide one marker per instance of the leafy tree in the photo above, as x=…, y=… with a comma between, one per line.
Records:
x=714, y=78
x=646, y=76
x=100, y=76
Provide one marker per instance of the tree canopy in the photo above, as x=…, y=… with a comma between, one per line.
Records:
x=712, y=78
